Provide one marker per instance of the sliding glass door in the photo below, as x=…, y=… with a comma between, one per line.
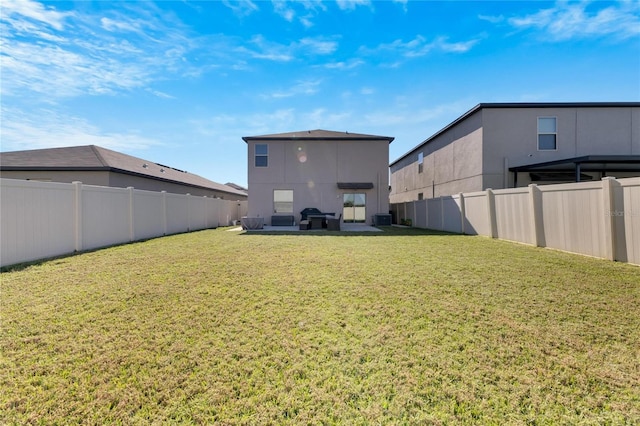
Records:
x=353, y=208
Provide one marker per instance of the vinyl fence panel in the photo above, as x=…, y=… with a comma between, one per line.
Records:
x=573, y=218
x=197, y=213
x=148, y=214
x=514, y=216
x=38, y=220
x=44, y=219
x=452, y=214
x=105, y=216
x=434, y=214
x=420, y=207
x=628, y=212
x=477, y=221
x=177, y=213
x=600, y=219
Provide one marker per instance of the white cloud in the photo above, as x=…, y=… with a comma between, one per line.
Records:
x=33, y=11
x=420, y=46
x=282, y=8
x=491, y=18
x=264, y=49
x=261, y=48
x=352, y=4
x=584, y=19
x=46, y=128
x=59, y=54
x=306, y=88
x=342, y=65
x=241, y=7
x=321, y=47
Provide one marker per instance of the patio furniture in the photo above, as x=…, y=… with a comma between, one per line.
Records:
x=317, y=221
x=305, y=225
x=333, y=223
x=304, y=214
x=282, y=220
x=252, y=222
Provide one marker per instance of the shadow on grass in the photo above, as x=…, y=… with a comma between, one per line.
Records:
x=24, y=265
x=387, y=231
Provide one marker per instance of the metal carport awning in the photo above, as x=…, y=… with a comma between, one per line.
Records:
x=355, y=185
x=577, y=165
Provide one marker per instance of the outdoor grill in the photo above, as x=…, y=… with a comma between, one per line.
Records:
x=310, y=211
x=316, y=219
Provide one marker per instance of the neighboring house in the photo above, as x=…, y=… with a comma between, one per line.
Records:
x=93, y=165
x=334, y=172
x=504, y=145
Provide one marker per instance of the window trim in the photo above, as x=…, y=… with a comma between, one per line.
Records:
x=275, y=209
x=256, y=155
x=555, y=134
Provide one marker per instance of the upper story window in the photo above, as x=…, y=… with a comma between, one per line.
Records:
x=261, y=155
x=547, y=134
x=420, y=162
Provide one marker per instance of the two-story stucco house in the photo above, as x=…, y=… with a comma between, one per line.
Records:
x=335, y=172
x=504, y=145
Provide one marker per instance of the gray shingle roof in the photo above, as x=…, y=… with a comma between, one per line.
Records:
x=95, y=158
x=317, y=134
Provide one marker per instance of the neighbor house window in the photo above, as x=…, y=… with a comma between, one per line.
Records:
x=420, y=162
x=262, y=155
x=547, y=134
x=420, y=196
x=283, y=201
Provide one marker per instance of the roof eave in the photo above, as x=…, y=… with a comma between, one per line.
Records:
x=492, y=105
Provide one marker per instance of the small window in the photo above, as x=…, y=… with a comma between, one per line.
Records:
x=547, y=134
x=420, y=196
x=283, y=201
x=420, y=162
x=262, y=155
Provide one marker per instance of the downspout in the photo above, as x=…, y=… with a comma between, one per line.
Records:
x=378, y=209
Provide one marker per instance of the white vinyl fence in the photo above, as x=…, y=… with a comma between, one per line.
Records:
x=44, y=219
x=600, y=219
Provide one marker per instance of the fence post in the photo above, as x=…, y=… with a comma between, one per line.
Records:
x=206, y=212
x=491, y=213
x=608, y=203
x=78, y=215
x=535, y=204
x=131, y=214
x=463, y=213
x=164, y=212
x=188, y=212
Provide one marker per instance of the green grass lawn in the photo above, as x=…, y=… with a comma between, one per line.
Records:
x=400, y=327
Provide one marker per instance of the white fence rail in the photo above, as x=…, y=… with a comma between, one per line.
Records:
x=44, y=219
x=600, y=219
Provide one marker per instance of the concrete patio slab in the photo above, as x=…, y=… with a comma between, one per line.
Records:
x=344, y=227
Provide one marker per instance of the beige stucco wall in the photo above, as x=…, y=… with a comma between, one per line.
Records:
x=476, y=153
x=452, y=164
x=312, y=170
x=510, y=136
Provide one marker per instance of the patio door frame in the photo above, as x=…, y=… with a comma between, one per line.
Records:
x=352, y=213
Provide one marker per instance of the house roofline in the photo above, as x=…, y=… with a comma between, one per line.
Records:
x=113, y=170
x=493, y=105
x=312, y=135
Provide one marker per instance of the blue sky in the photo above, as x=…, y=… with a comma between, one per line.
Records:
x=181, y=82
